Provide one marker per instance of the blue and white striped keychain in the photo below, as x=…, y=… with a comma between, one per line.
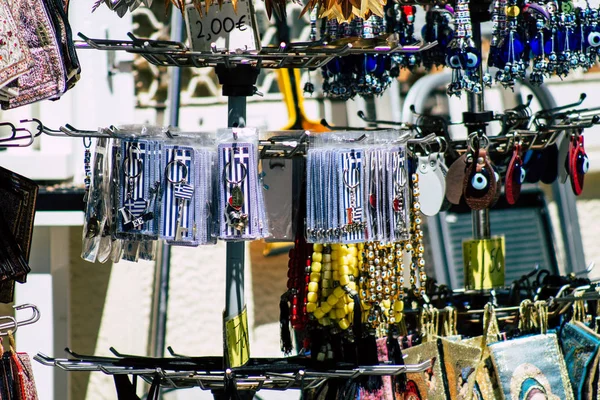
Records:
x=351, y=196
x=178, y=202
x=241, y=201
x=140, y=179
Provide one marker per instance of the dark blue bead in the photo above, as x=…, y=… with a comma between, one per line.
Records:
x=370, y=63
x=537, y=48
x=334, y=66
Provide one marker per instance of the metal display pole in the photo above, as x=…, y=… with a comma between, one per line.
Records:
x=160, y=300
x=234, y=275
x=238, y=83
x=476, y=119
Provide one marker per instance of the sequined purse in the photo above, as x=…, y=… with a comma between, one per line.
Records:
x=15, y=58
x=47, y=78
x=531, y=365
x=67, y=46
x=451, y=374
x=580, y=347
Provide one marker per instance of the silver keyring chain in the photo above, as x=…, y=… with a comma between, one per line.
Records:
x=184, y=168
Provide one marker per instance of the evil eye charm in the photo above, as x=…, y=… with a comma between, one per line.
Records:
x=453, y=58
x=471, y=59
x=522, y=175
x=479, y=181
x=583, y=163
x=593, y=39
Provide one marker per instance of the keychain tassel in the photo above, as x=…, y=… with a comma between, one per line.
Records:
x=367, y=355
x=284, y=325
x=395, y=356
x=350, y=390
x=366, y=348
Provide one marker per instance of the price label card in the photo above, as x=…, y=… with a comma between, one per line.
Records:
x=484, y=263
x=237, y=341
x=223, y=27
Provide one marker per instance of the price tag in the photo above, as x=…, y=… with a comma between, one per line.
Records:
x=238, y=343
x=484, y=263
x=223, y=27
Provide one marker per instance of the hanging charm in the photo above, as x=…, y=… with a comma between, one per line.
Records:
x=87, y=166
x=462, y=55
x=479, y=186
x=515, y=176
x=579, y=163
x=455, y=178
x=437, y=28
x=510, y=58
x=235, y=217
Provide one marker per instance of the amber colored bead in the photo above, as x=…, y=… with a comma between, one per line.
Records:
x=343, y=323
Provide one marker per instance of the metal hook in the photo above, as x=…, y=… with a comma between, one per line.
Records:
x=12, y=326
x=13, y=137
x=404, y=125
x=34, y=318
x=554, y=110
x=70, y=130
x=41, y=128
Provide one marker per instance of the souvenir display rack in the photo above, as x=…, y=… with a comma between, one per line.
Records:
x=237, y=73
x=286, y=55
x=207, y=372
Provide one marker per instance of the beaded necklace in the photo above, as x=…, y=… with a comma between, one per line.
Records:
x=418, y=277
x=334, y=270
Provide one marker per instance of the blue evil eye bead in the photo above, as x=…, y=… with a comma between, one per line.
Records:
x=479, y=181
x=522, y=175
x=453, y=58
x=453, y=61
x=593, y=39
x=471, y=60
x=583, y=164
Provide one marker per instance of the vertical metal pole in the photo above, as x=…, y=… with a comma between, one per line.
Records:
x=234, y=273
x=475, y=103
x=160, y=300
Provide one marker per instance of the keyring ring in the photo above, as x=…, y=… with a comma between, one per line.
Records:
x=442, y=143
x=354, y=170
x=184, y=168
x=484, y=141
x=140, y=165
x=234, y=183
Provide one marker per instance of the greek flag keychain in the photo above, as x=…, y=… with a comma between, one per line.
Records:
x=133, y=212
x=400, y=195
x=178, y=208
x=351, y=196
x=241, y=201
x=236, y=218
